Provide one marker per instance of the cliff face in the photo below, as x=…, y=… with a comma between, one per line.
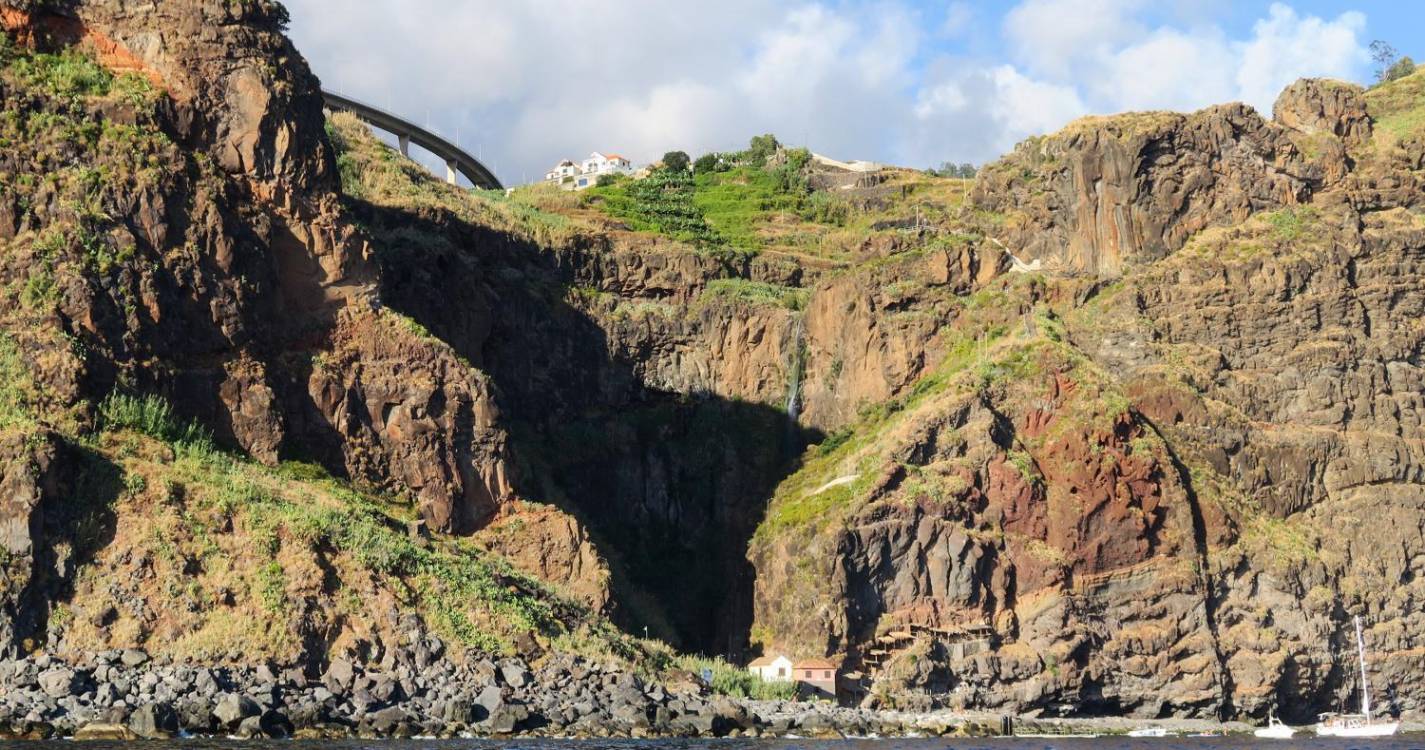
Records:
x=1255, y=481
x=212, y=260
x=172, y=225
x=1135, y=431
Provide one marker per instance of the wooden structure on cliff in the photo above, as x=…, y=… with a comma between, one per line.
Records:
x=958, y=641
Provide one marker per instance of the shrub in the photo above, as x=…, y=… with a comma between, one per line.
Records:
x=757, y=293
x=760, y=149
x=1291, y=224
x=676, y=161
x=1398, y=69
x=708, y=163
x=737, y=682
x=152, y=416
x=68, y=73
x=15, y=391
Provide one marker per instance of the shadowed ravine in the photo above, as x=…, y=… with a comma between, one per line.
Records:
x=670, y=485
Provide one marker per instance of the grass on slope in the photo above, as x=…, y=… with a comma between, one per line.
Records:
x=229, y=556
x=745, y=209
x=1398, y=108
x=374, y=171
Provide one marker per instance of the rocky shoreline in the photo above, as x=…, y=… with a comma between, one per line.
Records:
x=421, y=692
x=416, y=692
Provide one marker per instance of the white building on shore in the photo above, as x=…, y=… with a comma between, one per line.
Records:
x=772, y=668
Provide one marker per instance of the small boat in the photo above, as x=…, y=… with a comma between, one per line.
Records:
x=1149, y=732
x=1274, y=730
x=1362, y=724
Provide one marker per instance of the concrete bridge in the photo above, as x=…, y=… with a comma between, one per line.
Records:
x=456, y=160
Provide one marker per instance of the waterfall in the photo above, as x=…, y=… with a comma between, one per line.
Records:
x=795, y=367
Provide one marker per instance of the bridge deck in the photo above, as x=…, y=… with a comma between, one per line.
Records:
x=456, y=159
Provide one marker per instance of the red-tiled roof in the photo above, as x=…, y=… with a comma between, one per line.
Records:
x=816, y=664
x=764, y=661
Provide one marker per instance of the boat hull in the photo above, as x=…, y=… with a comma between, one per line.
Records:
x=1277, y=732
x=1383, y=729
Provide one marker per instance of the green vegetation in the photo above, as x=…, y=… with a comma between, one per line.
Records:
x=756, y=293
x=69, y=73
x=152, y=416
x=260, y=529
x=662, y=203
x=948, y=169
x=731, y=680
x=729, y=201
x=16, y=387
x=1291, y=224
x=374, y=172
x=1398, y=108
x=676, y=161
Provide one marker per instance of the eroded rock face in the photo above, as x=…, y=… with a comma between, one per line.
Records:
x=246, y=272
x=1109, y=193
x=1317, y=105
x=238, y=88
x=25, y=470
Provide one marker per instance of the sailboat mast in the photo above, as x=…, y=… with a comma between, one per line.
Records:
x=1365, y=688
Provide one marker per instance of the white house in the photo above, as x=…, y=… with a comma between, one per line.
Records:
x=561, y=170
x=598, y=164
x=772, y=668
x=580, y=176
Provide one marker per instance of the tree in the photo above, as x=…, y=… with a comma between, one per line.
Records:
x=1398, y=69
x=951, y=169
x=761, y=149
x=1384, y=56
x=676, y=161
x=706, y=163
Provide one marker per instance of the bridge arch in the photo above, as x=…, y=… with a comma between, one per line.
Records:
x=406, y=132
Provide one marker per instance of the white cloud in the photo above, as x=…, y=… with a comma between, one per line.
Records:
x=1168, y=69
x=1055, y=37
x=526, y=83
x=1286, y=46
x=1123, y=63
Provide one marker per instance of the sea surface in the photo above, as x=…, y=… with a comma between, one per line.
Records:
x=1402, y=742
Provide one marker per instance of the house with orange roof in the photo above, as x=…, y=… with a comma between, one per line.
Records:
x=816, y=677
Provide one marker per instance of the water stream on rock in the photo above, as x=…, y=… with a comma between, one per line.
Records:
x=795, y=367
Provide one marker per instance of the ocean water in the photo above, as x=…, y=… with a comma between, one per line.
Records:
x=1402, y=742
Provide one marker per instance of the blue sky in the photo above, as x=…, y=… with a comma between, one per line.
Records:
x=911, y=82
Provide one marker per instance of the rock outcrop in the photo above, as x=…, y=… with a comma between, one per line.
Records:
x=1107, y=194
x=240, y=288
x=1241, y=293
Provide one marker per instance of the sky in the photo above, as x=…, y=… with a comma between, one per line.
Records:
x=524, y=83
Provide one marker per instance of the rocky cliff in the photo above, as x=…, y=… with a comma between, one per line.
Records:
x=1163, y=490
x=1129, y=427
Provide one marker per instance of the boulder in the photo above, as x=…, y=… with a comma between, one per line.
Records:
x=133, y=657
x=104, y=731
x=232, y=708
x=58, y=682
x=154, y=721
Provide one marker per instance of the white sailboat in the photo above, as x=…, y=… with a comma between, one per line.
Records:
x=1361, y=724
x=1274, y=730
